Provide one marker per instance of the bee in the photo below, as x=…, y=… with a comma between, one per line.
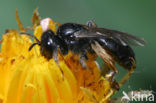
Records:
x=111, y=45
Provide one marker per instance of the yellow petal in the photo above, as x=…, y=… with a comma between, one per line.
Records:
x=36, y=19
x=19, y=23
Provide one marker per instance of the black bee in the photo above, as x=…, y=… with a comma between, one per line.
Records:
x=111, y=45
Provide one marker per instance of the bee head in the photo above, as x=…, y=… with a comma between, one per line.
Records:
x=49, y=44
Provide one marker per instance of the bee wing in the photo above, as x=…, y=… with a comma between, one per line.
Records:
x=88, y=34
x=128, y=38
x=124, y=38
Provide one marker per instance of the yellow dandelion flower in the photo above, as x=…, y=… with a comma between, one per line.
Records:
x=27, y=77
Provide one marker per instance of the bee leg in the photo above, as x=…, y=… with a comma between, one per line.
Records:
x=114, y=71
x=55, y=57
x=110, y=76
x=91, y=24
x=127, y=76
x=105, y=70
x=83, y=57
x=109, y=61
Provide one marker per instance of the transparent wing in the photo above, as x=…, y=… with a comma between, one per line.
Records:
x=124, y=38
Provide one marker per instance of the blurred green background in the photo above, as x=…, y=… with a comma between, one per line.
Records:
x=137, y=17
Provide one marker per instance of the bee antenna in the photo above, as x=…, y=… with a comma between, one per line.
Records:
x=23, y=33
x=33, y=45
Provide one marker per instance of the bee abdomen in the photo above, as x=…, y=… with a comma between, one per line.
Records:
x=123, y=54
